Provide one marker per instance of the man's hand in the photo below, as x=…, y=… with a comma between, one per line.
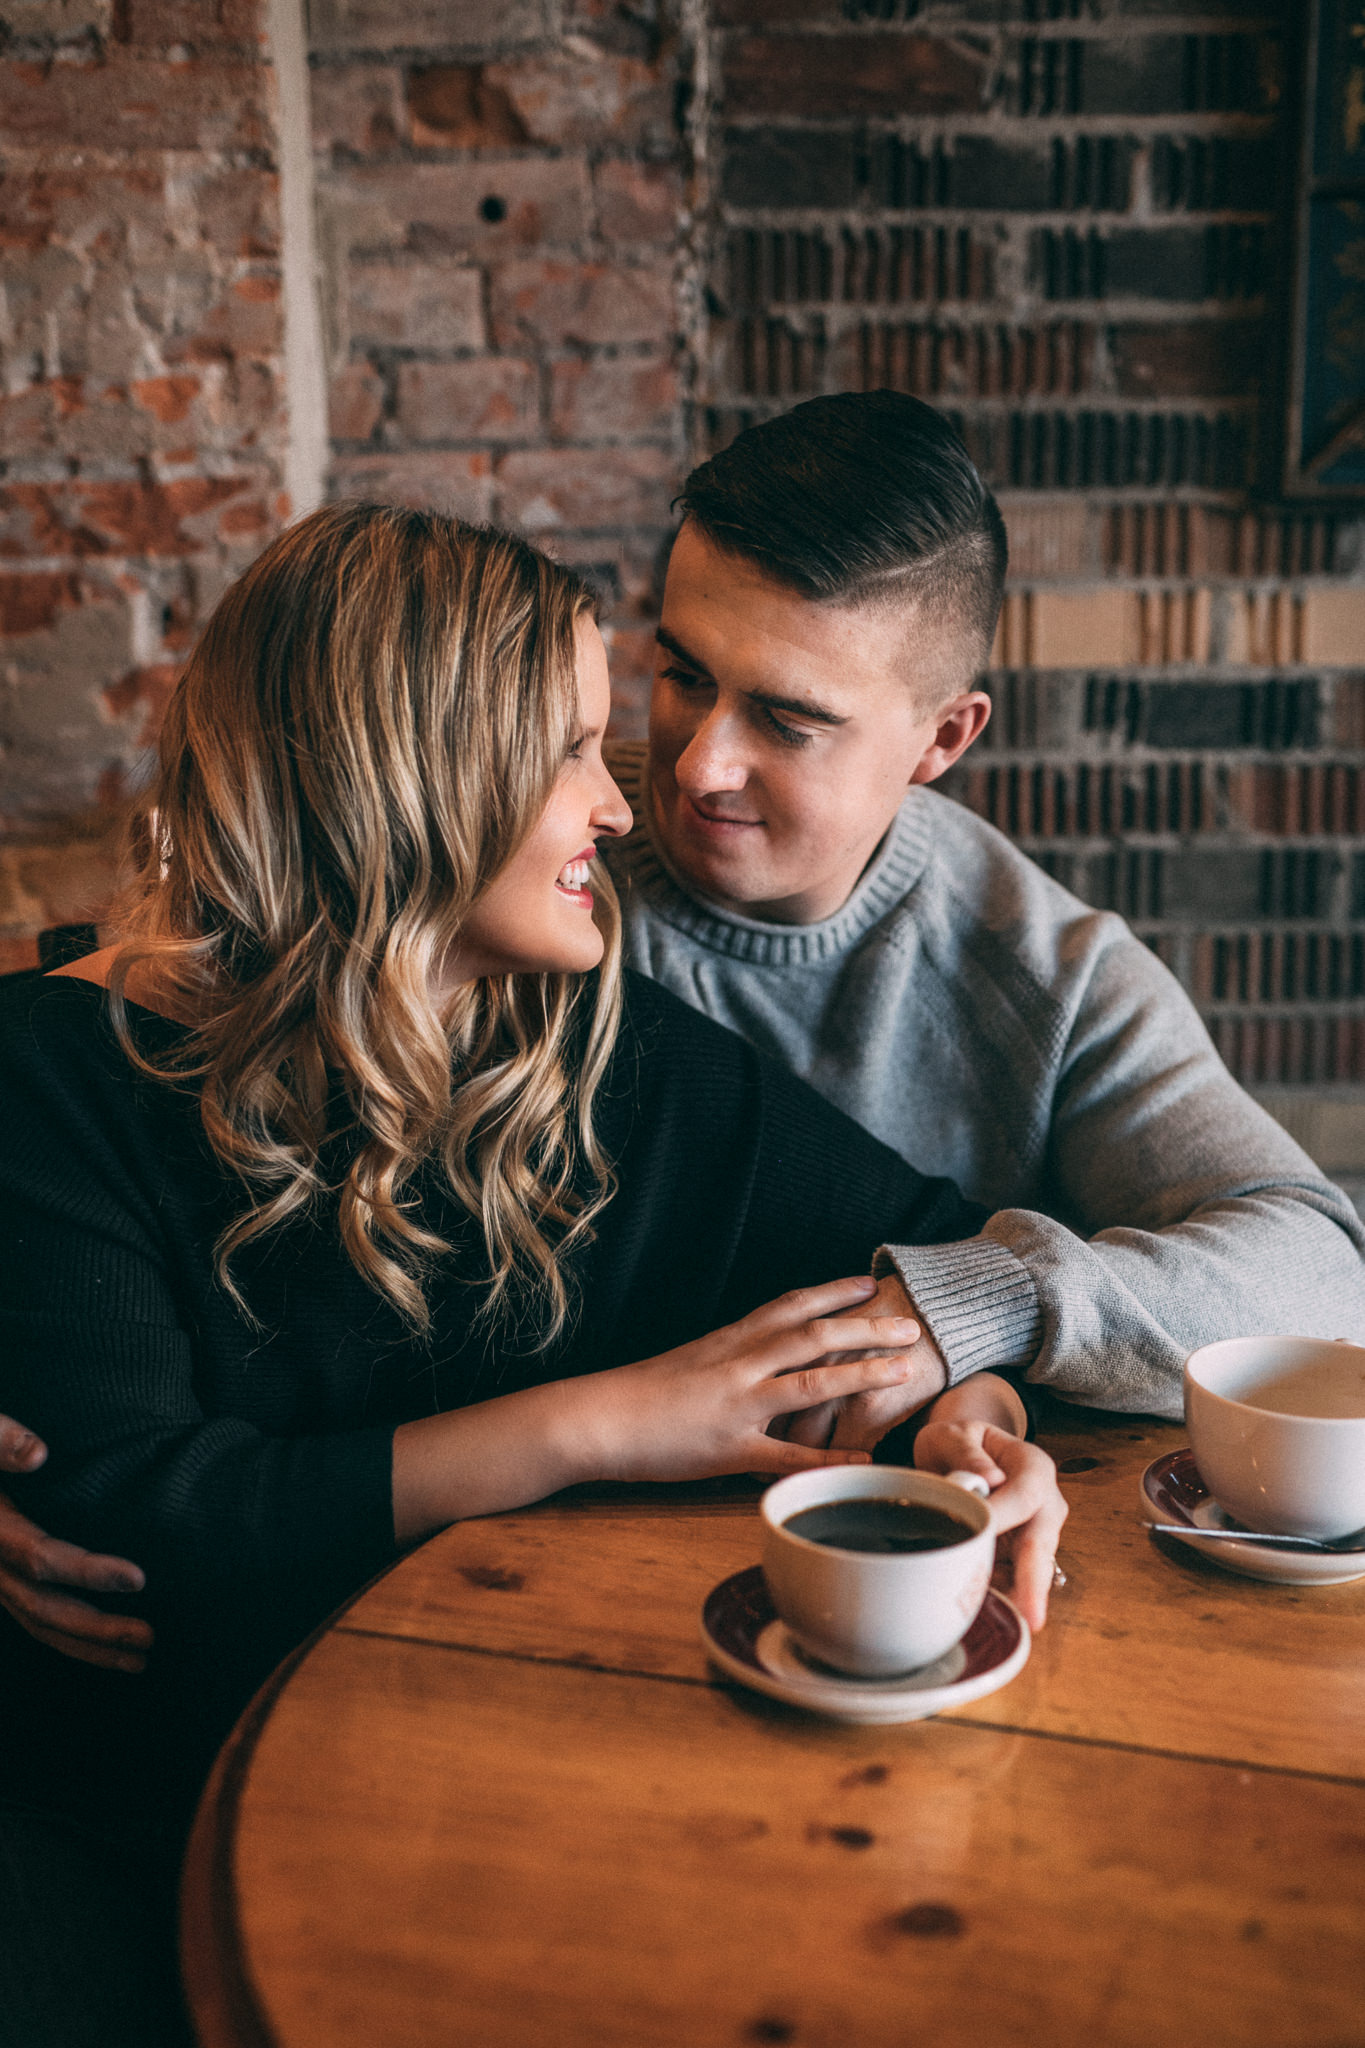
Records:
x=32, y=1564
x=1026, y=1501
x=861, y=1421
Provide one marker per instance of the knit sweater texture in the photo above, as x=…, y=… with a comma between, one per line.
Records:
x=991, y=1027
x=247, y=1466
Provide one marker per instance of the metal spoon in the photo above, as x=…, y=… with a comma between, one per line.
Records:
x=1333, y=1545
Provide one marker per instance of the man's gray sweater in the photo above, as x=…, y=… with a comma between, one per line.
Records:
x=992, y=1027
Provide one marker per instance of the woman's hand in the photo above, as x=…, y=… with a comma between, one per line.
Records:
x=858, y=1422
x=705, y=1408
x=32, y=1565
x=694, y=1413
x=1026, y=1500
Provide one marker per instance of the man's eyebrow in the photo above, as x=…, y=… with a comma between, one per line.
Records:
x=675, y=646
x=799, y=707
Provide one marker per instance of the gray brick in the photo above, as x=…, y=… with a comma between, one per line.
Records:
x=466, y=25
x=1007, y=176
x=1173, y=74
x=788, y=167
x=1222, y=884
x=1196, y=715
x=1202, y=173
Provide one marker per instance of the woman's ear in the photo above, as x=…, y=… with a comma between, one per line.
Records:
x=960, y=721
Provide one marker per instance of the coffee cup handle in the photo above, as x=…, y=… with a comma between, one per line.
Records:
x=970, y=1482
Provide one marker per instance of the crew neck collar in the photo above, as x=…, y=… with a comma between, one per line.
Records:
x=890, y=874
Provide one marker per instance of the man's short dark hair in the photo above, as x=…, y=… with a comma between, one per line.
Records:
x=859, y=499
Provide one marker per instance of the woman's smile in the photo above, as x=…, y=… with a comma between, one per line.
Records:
x=575, y=875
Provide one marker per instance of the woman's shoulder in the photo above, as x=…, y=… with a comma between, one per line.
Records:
x=44, y=1015
x=58, y=1043
x=656, y=1021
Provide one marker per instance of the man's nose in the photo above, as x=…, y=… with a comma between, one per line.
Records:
x=713, y=758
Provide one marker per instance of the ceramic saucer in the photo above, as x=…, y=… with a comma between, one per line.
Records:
x=743, y=1635
x=1172, y=1491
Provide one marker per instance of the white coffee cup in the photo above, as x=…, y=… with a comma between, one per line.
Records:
x=866, y=1612
x=1277, y=1426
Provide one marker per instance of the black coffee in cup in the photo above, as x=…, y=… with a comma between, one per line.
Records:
x=874, y=1523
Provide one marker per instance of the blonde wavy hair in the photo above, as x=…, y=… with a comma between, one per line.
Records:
x=368, y=729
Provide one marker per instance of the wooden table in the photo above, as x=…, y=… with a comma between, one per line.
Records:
x=504, y=1801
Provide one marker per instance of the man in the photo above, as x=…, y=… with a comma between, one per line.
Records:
x=830, y=602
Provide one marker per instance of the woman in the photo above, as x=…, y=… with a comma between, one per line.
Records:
x=353, y=1192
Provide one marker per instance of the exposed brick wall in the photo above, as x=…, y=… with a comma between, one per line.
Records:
x=551, y=278
x=499, y=202
x=1064, y=223
x=141, y=422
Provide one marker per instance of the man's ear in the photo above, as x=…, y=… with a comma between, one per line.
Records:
x=960, y=721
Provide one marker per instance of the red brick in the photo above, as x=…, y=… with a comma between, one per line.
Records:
x=457, y=483
x=247, y=321
x=213, y=411
x=133, y=103
x=414, y=305
x=546, y=488
x=30, y=603
x=168, y=399
x=200, y=25
x=583, y=94
x=239, y=211
x=552, y=302
x=616, y=398
x=638, y=202
x=59, y=879
x=63, y=202
x=1195, y=359
x=128, y=518
x=355, y=402
x=105, y=209
x=455, y=106
x=144, y=690
x=356, y=107
x=459, y=208
x=488, y=398
x=848, y=76
x=1050, y=538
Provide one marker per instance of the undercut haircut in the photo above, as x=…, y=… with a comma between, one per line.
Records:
x=867, y=498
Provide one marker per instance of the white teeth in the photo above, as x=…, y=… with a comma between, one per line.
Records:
x=574, y=875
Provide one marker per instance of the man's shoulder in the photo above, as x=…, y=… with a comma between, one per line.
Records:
x=976, y=877
x=985, y=910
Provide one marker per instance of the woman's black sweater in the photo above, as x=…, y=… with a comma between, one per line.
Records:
x=248, y=1469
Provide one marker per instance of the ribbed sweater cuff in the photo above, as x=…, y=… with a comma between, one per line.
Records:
x=979, y=1302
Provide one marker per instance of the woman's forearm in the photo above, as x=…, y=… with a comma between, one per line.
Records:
x=498, y=1454
x=692, y=1413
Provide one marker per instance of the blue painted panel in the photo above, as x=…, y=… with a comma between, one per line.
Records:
x=1334, y=354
